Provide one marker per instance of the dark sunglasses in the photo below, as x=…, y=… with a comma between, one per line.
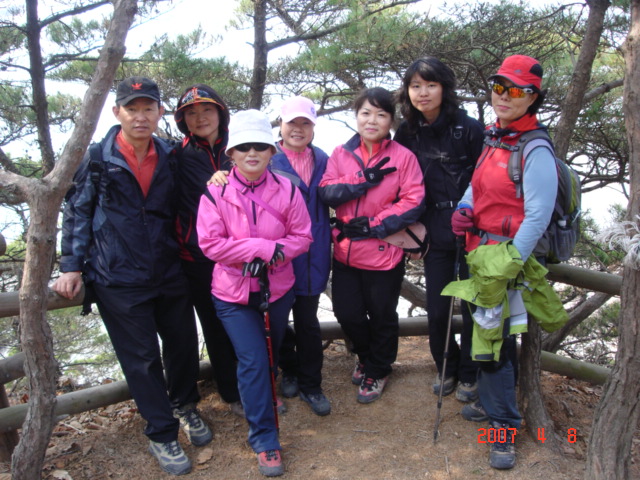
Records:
x=258, y=147
x=514, y=92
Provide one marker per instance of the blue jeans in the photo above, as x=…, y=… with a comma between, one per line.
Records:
x=245, y=325
x=497, y=386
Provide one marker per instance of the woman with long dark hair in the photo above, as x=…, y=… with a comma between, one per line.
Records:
x=447, y=143
x=203, y=117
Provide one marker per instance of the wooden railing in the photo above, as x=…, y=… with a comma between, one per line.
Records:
x=11, y=418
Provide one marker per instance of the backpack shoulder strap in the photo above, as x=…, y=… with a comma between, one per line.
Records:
x=526, y=143
x=96, y=171
x=96, y=164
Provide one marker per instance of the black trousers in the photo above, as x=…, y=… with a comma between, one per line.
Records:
x=134, y=318
x=301, y=352
x=365, y=303
x=438, y=272
x=219, y=346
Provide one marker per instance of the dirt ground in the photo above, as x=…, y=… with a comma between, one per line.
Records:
x=389, y=439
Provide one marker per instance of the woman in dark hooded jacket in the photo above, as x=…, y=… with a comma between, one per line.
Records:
x=203, y=117
x=447, y=143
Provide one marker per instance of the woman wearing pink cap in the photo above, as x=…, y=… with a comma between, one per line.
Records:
x=492, y=212
x=301, y=355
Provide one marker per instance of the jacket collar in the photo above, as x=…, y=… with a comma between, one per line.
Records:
x=523, y=124
x=353, y=144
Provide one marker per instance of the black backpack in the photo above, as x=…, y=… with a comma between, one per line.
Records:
x=559, y=240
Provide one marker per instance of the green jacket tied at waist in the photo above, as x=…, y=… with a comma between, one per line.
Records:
x=497, y=273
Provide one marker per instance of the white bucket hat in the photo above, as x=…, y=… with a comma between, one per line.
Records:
x=249, y=126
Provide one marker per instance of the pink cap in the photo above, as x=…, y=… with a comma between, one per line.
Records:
x=523, y=71
x=295, y=107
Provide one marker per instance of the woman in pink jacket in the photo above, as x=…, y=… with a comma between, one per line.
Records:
x=375, y=186
x=258, y=222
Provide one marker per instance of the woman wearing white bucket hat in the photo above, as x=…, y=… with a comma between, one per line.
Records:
x=252, y=228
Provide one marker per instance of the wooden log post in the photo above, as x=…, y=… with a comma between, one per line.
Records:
x=102, y=395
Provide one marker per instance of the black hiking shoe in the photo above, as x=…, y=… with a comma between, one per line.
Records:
x=502, y=455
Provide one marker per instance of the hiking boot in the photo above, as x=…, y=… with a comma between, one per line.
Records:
x=280, y=406
x=197, y=431
x=358, y=374
x=171, y=457
x=270, y=463
x=237, y=408
x=289, y=385
x=449, y=385
x=473, y=412
x=318, y=403
x=502, y=455
x=371, y=389
x=467, y=392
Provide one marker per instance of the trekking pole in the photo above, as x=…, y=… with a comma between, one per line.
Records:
x=456, y=276
x=264, y=308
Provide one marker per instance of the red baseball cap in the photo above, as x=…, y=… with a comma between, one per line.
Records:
x=522, y=70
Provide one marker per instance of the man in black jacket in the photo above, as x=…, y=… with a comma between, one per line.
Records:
x=119, y=233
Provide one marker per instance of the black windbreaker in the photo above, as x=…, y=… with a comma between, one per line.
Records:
x=113, y=233
x=447, y=152
x=197, y=162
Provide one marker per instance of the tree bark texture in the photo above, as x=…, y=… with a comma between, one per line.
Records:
x=36, y=340
x=581, y=75
x=260, y=54
x=530, y=392
x=44, y=198
x=37, y=74
x=616, y=416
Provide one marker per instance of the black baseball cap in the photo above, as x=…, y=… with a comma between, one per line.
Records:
x=134, y=87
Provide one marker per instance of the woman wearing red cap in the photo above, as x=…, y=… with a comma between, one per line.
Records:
x=491, y=212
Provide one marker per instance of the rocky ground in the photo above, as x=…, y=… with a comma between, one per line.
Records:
x=389, y=439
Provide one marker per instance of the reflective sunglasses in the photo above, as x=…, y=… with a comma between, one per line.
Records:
x=514, y=92
x=258, y=147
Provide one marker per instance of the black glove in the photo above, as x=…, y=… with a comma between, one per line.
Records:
x=278, y=255
x=253, y=268
x=376, y=173
x=357, y=227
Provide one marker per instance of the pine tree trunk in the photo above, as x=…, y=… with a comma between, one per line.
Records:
x=616, y=416
x=260, y=54
x=44, y=198
x=529, y=391
x=36, y=340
